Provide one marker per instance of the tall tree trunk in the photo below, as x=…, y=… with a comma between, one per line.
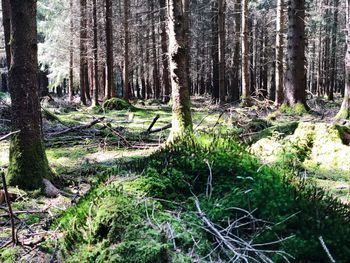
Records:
x=83, y=52
x=333, y=71
x=155, y=73
x=164, y=46
x=245, y=55
x=6, y=16
x=279, y=52
x=295, y=82
x=178, y=58
x=237, y=49
x=95, y=52
x=221, y=44
x=344, y=110
x=71, y=80
x=215, y=51
x=126, y=87
x=109, y=50
x=28, y=162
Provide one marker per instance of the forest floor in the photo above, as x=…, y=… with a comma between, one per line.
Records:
x=78, y=151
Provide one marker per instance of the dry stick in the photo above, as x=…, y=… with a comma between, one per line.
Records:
x=78, y=128
x=168, y=126
x=8, y=135
x=8, y=202
x=152, y=124
x=331, y=259
x=118, y=135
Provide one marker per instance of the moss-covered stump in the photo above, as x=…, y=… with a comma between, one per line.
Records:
x=116, y=104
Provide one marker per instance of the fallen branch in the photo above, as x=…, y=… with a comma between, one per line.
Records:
x=78, y=128
x=8, y=202
x=117, y=134
x=168, y=126
x=152, y=124
x=8, y=135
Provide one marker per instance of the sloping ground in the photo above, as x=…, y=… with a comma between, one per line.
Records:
x=317, y=150
x=202, y=200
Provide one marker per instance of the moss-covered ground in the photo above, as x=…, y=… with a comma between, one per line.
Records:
x=136, y=201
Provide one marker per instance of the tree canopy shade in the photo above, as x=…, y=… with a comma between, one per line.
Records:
x=28, y=162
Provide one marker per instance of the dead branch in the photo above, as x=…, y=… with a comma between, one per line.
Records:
x=168, y=126
x=8, y=202
x=78, y=128
x=152, y=124
x=8, y=135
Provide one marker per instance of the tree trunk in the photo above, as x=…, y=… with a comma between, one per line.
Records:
x=28, y=163
x=155, y=73
x=126, y=87
x=279, y=52
x=245, y=55
x=333, y=71
x=237, y=49
x=178, y=58
x=164, y=46
x=215, y=51
x=6, y=16
x=83, y=52
x=71, y=80
x=95, y=52
x=109, y=50
x=295, y=82
x=221, y=44
x=344, y=110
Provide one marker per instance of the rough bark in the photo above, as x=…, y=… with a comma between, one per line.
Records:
x=279, y=53
x=333, y=71
x=71, y=48
x=83, y=52
x=344, y=110
x=126, y=88
x=178, y=60
x=221, y=44
x=245, y=54
x=109, y=50
x=95, y=53
x=28, y=163
x=237, y=49
x=295, y=83
x=164, y=46
x=6, y=16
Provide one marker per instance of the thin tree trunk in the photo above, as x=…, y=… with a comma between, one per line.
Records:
x=95, y=53
x=215, y=51
x=71, y=80
x=221, y=44
x=83, y=52
x=6, y=16
x=237, y=49
x=279, y=52
x=109, y=50
x=126, y=87
x=245, y=55
x=164, y=46
x=333, y=71
x=28, y=163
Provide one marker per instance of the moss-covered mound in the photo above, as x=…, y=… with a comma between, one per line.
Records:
x=116, y=104
x=320, y=148
x=152, y=215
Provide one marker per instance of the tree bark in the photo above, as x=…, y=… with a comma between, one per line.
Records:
x=279, y=52
x=295, y=83
x=215, y=51
x=221, y=44
x=178, y=60
x=245, y=55
x=83, y=52
x=28, y=163
x=95, y=52
x=6, y=16
x=126, y=88
x=333, y=71
x=237, y=49
x=344, y=110
x=109, y=50
x=164, y=46
x=71, y=50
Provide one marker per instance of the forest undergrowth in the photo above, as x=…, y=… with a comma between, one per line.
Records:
x=126, y=198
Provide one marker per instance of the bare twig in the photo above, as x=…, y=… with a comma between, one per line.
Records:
x=331, y=259
x=78, y=128
x=8, y=202
x=152, y=124
x=168, y=126
x=8, y=135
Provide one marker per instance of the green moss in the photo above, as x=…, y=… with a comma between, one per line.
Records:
x=344, y=109
x=297, y=109
x=28, y=164
x=116, y=104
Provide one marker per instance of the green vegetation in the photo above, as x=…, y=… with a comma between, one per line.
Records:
x=150, y=216
x=297, y=109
